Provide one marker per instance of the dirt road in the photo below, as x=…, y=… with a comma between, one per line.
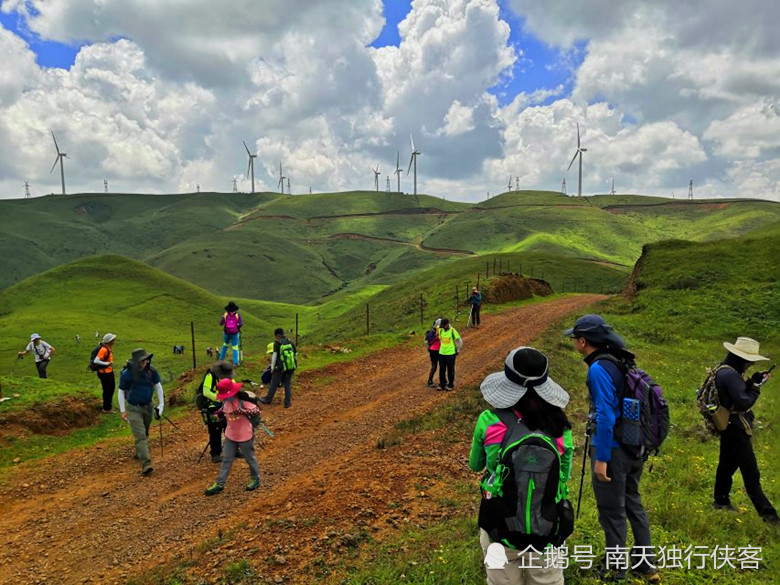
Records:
x=88, y=517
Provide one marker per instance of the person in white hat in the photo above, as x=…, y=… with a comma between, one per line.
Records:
x=42, y=352
x=524, y=401
x=104, y=361
x=736, y=450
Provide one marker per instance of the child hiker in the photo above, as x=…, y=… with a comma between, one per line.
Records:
x=239, y=435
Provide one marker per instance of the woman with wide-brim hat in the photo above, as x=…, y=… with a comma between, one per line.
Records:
x=739, y=395
x=522, y=393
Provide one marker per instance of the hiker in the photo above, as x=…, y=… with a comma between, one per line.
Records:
x=105, y=373
x=211, y=412
x=283, y=365
x=525, y=403
x=434, y=343
x=42, y=352
x=239, y=435
x=739, y=395
x=450, y=345
x=475, y=300
x=231, y=322
x=78, y=339
x=615, y=470
x=137, y=382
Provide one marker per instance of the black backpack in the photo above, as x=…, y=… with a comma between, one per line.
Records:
x=201, y=402
x=92, y=366
x=524, y=501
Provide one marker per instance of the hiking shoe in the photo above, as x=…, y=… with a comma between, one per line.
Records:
x=440, y=388
x=264, y=401
x=147, y=471
x=216, y=458
x=214, y=488
x=726, y=506
x=287, y=405
x=253, y=485
x=609, y=575
x=450, y=387
x=771, y=519
x=430, y=383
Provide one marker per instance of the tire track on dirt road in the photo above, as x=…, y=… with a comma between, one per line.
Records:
x=88, y=517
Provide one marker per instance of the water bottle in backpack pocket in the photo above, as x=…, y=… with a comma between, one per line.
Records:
x=631, y=428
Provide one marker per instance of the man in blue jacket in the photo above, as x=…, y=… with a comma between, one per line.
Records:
x=615, y=470
x=736, y=450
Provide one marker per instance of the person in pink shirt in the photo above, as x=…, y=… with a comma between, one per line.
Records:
x=434, y=343
x=239, y=435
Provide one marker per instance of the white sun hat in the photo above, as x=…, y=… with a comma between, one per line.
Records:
x=524, y=368
x=746, y=348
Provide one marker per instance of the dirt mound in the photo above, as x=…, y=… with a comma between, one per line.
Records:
x=54, y=418
x=513, y=287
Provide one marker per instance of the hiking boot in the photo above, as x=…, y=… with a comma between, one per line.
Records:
x=214, y=488
x=430, y=383
x=264, y=401
x=648, y=575
x=287, y=405
x=440, y=388
x=771, y=519
x=720, y=506
x=216, y=458
x=147, y=471
x=450, y=387
x=253, y=485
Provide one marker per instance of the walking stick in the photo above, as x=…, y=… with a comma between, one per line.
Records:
x=582, y=477
x=159, y=418
x=471, y=317
x=202, y=453
x=18, y=357
x=165, y=416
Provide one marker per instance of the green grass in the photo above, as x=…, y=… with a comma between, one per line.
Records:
x=676, y=331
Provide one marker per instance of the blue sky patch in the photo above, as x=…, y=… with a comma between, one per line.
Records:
x=47, y=53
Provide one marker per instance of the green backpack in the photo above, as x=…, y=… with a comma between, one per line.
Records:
x=287, y=356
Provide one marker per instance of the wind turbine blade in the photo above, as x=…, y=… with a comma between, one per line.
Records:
x=56, y=160
x=249, y=167
x=247, y=148
x=411, y=160
x=397, y=159
x=578, y=135
x=573, y=159
x=412, y=141
x=55, y=143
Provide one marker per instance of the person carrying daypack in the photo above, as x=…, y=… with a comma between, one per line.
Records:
x=137, y=384
x=524, y=443
x=284, y=362
x=102, y=362
x=42, y=352
x=737, y=397
x=616, y=468
x=209, y=407
x=433, y=343
x=239, y=435
x=231, y=332
x=475, y=300
x=450, y=345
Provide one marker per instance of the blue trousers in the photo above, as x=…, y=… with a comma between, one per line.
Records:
x=231, y=340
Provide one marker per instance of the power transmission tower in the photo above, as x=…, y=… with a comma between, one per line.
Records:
x=235, y=185
x=517, y=183
x=690, y=190
x=105, y=185
x=563, y=187
x=388, y=183
x=289, y=191
x=26, y=189
x=197, y=186
x=613, y=187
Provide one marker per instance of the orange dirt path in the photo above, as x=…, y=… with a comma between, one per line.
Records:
x=88, y=516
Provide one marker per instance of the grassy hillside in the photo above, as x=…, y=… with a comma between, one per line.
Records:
x=691, y=298
x=141, y=305
x=265, y=245
x=48, y=231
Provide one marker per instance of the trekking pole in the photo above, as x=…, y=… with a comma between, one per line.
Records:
x=18, y=358
x=159, y=419
x=202, y=453
x=170, y=421
x=582, y=476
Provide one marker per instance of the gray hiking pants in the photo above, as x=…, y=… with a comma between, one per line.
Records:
x=229, y=455
x=618, y=501
x=140, y=419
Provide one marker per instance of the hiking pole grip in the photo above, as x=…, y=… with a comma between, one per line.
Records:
x=582, y=475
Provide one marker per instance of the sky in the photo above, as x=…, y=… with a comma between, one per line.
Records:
x=157, y=96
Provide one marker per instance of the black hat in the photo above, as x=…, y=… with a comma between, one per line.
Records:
x=231, y=307
x=223, y=369
x=595, y=330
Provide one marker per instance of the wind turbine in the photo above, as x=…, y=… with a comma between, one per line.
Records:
x=250, y=170
x=398, y=169
x=376, y=175
x=413, y=160
x=613, y=186
x=289, y=191
x=105, y=185
x=579, y=152
x=60, y=156
x=280, y=184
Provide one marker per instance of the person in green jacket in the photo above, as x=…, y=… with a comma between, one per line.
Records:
x=213, y=417
x=524, y=389
x=451, y=344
